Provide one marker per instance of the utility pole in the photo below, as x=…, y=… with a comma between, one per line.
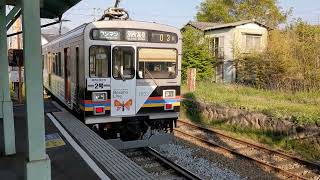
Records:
x=94, y=14
x=116, y=5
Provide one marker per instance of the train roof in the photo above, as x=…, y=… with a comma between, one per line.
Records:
x=115, y=24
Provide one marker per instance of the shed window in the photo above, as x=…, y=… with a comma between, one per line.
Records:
x=253, y=42
x=216, y=46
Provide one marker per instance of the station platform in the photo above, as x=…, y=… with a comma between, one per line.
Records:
x=75, y=151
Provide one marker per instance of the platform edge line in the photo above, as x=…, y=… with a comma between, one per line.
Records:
x=80, y=151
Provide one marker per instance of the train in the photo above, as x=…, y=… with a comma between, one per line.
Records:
x=121, y=77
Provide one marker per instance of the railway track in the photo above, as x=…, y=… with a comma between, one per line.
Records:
x=286, y=166
x=158, y=166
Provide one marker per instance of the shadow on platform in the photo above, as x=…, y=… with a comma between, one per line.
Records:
x=66, y=163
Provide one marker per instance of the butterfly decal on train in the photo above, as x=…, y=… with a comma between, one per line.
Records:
x=123, y=105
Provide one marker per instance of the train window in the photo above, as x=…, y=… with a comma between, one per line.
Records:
x=56, y=60
x=99, y=61
x=44, y=60
x=50, y=62
x=157, y=63
x=123, y=63
x=59, y=64
x=55, y=64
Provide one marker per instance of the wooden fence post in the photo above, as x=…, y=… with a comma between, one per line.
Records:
x=191, y=79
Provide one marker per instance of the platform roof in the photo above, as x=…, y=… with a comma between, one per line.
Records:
x=50, y=8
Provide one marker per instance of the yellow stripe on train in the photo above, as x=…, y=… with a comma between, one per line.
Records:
x=160, y=105
x=91, y=108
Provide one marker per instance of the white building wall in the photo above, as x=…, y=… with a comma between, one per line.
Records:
x=234, y=44
x=229, y=71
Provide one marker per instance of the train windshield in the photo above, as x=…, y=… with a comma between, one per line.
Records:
x=123, y=63
x=157, y=63
x=99, y=61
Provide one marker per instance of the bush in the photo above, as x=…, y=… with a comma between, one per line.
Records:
x=196, y=54
x=291, y=61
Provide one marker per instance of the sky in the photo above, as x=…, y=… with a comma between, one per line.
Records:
x=172, y=12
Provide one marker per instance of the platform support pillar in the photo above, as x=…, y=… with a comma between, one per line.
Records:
x=38, y=164
x=6, y=111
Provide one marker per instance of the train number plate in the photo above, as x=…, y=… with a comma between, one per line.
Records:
x=100, y=84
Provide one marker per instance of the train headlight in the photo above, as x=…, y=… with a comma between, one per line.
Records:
x=167, y=94
x=99, y=96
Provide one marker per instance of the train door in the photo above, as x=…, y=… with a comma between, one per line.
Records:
x=67, y=77
x=77, y=74
x=123, y=80
x=49, y=70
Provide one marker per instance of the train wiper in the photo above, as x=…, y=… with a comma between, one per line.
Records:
x=120, y=74
x=151, y=76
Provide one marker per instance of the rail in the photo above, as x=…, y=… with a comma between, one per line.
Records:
x=305, y=166
x=151, y=157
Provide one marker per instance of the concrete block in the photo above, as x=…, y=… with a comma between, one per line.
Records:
x=38, y=170
x=8, y=128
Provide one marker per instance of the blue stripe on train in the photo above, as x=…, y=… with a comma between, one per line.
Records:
x=92, y=105
x=162, y=101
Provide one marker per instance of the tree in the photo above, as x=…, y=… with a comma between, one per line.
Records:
x=226, y=11
x=196, y=54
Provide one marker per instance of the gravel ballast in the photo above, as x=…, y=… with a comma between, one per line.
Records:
x=205, y=169
x=210, y=163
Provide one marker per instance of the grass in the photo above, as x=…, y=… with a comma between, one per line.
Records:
x=302, y=107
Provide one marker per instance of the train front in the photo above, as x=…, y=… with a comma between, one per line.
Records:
x=133, y=74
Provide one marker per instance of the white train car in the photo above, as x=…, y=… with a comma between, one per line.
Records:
x=122, y=77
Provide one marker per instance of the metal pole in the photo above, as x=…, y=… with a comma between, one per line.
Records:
x=38, y=163
x=5, y=100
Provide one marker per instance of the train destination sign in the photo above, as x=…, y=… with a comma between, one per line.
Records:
x=106, y=35
x=134, y=35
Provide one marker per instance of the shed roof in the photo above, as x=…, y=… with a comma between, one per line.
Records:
x=50, y=8
x=201, y=25
x=207, y=26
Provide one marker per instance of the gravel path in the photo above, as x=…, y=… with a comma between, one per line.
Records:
x=184, y=156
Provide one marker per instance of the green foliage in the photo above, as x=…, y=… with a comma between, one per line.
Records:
x=219, y=11
x=291, y=61
x=196, y=54
x=225, y=11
